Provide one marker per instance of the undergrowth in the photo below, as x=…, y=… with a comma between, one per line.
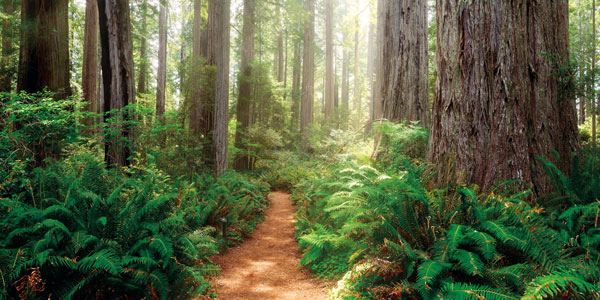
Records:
x=71, y=228
x=395, y=238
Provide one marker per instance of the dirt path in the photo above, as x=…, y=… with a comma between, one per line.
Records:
x=265, y=266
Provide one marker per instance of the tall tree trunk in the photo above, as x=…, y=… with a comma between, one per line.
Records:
x=329, y=76
x=44, y=50
x=296, y=74
x=593, y=89
x=161, y=85
x=280, y=57
x=357, y=96
x=308, y=70
x=581, y=87
x=118, y=77
x=242, y=161
x=380, y=79
x=222, y=89
x=498, y=105
x=345, y=89
x=371, y=71
x=142, y=78
x=199, y=49
x=182, y=54
x=89, y=72
x=208, y=81
x=7, y=48
x=405, y=89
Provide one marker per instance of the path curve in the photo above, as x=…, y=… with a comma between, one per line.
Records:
x=265, y=266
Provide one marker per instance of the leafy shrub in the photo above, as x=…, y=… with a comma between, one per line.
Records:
x=447, y=243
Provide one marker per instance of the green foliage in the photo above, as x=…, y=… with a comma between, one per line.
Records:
x=449, y=243
x=72, y=229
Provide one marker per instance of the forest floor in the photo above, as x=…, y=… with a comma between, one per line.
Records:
x=266, y=265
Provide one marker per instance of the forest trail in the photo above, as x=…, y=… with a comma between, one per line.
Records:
x=266, y=265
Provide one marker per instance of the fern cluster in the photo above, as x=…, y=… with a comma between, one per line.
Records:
x=448, y=243
x=93, y=234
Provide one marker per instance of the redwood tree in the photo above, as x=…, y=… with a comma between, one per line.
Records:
x=242, y=161
x=498, y=105
x=221, y=118
x=161, y=86
x=44, y=49
x=89, y=73
x=403, y=67
x=308, y=69
x=329, y=71
x=118, y=78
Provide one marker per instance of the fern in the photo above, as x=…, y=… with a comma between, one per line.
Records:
x=106, y=260
x=551, y=285
x=462, y=291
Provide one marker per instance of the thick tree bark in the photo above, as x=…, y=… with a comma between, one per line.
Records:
x=161, y=85
x=44, y=50
x=7, y=49
x=308, y=70
x=242, y=161
x=142, y=78
x=222, y=94
x=118, y=78
x=89, y=72
x=405, y=60
x=296, y=75
x=329, y=76
x=498, y=105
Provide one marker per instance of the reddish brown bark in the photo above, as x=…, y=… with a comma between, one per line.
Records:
x=308, y=69
x=404, y=93
x=118, y=78
x=242, y=161
x=161, y=86
x=497, y=104
x=222, y=86
x=89, y=73
x=44, y=48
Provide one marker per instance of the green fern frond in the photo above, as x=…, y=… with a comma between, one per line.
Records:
x=545, y=287
x=428, y=274
x=464, y=291
x=468, y=262
x=106, y=260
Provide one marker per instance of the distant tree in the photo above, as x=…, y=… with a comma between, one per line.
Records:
x=242, y=161
x=161, y=86
x=221, y=120
x=7, y=48
x=143, y=65
x=118, y=78
x=329, y=71
x=89, y=73
x=296, y=80
x=499, y=102
x=44, y=48
x=308, y=69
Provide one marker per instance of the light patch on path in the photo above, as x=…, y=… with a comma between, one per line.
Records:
x=266, y=265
